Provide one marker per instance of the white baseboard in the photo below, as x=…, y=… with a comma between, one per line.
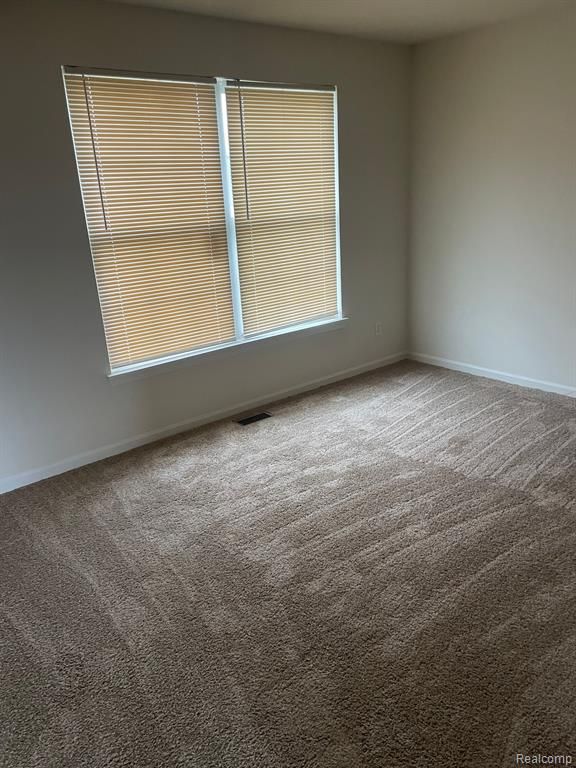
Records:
x=12, y=482
x=476, y=370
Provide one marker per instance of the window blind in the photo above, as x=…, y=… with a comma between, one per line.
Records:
x=211, y=209
x=149, y=164
x=282, y=148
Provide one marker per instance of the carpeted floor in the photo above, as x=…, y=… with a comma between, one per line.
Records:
x=382, y=575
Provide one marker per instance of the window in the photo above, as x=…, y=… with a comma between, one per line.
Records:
x=211, y=208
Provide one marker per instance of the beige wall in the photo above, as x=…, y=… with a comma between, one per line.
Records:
x=55, y=399
x=493, y=229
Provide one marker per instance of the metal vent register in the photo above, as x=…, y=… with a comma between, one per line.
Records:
x=255, y=417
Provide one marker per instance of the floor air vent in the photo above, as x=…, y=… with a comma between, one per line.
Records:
x=253, y=418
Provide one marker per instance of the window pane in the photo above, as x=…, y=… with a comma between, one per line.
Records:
x=283, y=175
x=149, y=165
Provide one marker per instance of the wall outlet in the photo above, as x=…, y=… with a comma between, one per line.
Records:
x=378, y=329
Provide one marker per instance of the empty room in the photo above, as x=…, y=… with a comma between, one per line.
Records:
x=288, y=384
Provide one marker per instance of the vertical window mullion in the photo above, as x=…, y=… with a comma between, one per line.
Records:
x=226, y=168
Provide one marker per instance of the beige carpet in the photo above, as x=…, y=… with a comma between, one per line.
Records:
x=382, y=575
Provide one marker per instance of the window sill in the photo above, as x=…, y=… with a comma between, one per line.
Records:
x=160, y=364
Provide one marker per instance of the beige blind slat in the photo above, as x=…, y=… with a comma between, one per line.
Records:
x=287, y=244
x=149, y=166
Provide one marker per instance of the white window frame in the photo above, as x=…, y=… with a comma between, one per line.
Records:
x=240, y=338
x=226, y=169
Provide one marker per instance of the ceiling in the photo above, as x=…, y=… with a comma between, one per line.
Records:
x=402, y=20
